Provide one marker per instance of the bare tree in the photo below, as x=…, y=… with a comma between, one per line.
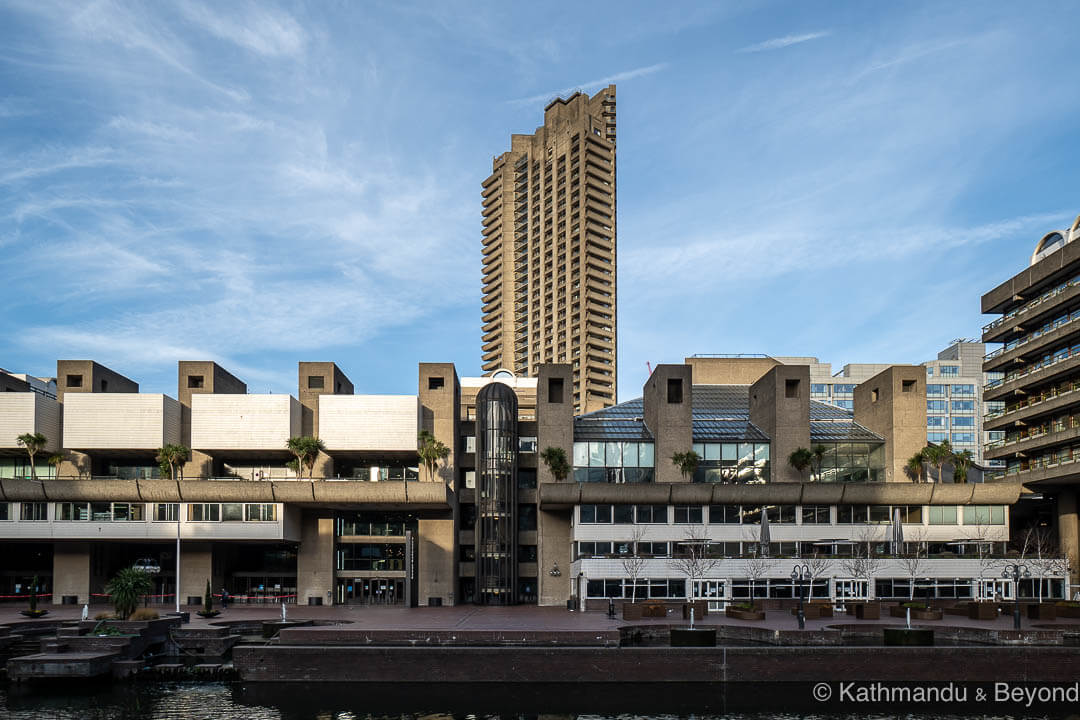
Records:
x=691, y=556
x=979, y=533
x=757, y=568
x=819, y=567
x=633, y=563
x=1039, y=551
x=912, y=560
x=864, y=563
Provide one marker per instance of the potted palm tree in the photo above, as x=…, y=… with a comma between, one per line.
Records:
x=172, y=457
x=126, y=589
x=687, y=462
x=32, y=611
x=306, y=449
x=56, y=460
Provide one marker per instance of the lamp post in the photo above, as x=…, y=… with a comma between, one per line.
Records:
x=799, y=574
x=176, y=590
x=1014, y=572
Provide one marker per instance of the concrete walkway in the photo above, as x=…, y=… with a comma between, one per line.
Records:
x=522, y=617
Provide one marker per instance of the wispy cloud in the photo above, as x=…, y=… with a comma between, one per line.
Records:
x=594, y=84
x=783, y=42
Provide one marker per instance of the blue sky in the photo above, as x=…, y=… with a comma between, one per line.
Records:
x=259, y=184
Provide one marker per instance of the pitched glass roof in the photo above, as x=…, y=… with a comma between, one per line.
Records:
x=720, y=413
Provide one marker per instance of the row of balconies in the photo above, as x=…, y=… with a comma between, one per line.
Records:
x=147, y=421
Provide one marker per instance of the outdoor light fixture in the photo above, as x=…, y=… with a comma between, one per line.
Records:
x=800, y=574
x=1014, y=572
x=554, y=571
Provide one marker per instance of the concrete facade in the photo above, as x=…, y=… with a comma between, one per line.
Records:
x=548, y=247
x=893, y=405
x=780, y=405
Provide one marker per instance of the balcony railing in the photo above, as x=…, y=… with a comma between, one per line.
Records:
x=1071, y=318
x=1059, y=356
x=1034, y=401
x=1032, y=305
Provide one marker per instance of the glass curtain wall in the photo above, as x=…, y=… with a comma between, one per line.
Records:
x=496, y=495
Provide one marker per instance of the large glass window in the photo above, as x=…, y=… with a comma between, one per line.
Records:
x=5, y=511
x=34, y=511
x=73, y=512
x=724, y=515
x=950, y=370
x=747, y=463
x=937, y=421
x=851, y=462
x=371, y=556
x=968, y=421
x=613, y=462
x=936, y=406
x=963, y=390
x=984, y=515
x=688, y=514
x=933, y=390
x=652, y=514
x=815, y=514
x=936, y=437
x=963, y=438
x=963, y=406
x=595, y=514
x=852, y=514
x=166, y=512
x=623, y=514
x=942, y=514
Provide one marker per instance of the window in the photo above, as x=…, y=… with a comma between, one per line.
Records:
x=907, y=386
x=687, y=514
x=791, y=388
x=815, y=514
x=104, y=386
x=963, y=438
x=527, y=444
x=843, y=389
x=128, y=512
x=984, y=514
x=527, y=553
x=470, y=479
x=936, y=437
x=73, y=512
x=470, y=443
x=652, y=514
x=780, y=514
x=435, y=383
x=623, y=514
x=526, y=478
x=963, y=390
x=555, y=390
x=874, y=395
x=656, y=549
x=936, y=406
x=880, y=514
x=166, y=512
x=195, y=381
x=947, y=370
x=818, y=389
x=260, y=512
x=674, y=391
x=34, y=511
x=934, y=390
x=594, y=549
x=5, y=511
x=942, y=514
x=964, y=406
x=204, y=512
x=968, y=421
x=929, y=372
x=74, y=381
x=595, y=514
x=724, y=515
x=852, y=514
x=937, y=421
x=527, y=518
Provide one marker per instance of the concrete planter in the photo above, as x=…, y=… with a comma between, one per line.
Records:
x=701, y=609
x=736, y=614
x=1042, y=611
x=866, y=611
x=1068, y=611
x=698, y=637
x=903, y=637
x=632, y=611
x=982, y=611
x=654, y=610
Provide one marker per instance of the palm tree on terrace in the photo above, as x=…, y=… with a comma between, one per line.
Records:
x=34, y=443
x=801, y=459
x=961, y=463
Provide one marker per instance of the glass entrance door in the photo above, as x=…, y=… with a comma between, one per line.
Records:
x=851, y=589
x=712, y=590
x=995, y=588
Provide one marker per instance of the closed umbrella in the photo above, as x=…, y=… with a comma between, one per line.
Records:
x=764, y=539
x=897, y=533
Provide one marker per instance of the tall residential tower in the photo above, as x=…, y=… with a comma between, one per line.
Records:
x=549, y=249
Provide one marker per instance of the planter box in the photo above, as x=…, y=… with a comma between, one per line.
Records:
x=1042, y=611
x=1068, y=611
x=631, y=611
x=657, y=611
x=866, y=611
x=982, y=611
x=701, y=609
x=735, y=614
x=813, y=612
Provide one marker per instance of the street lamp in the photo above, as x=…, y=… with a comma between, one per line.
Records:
x=800, y=574
x=1014, y=572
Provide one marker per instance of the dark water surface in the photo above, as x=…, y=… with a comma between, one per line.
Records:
x=288, y=701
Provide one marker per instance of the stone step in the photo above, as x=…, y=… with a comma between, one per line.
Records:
x=60, y=666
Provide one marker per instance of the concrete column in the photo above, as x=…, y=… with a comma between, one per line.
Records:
x=436, y=572
x=315, y=559
x=1069, y=531
x=196, y=567
x=554, y=547
x=71, y=571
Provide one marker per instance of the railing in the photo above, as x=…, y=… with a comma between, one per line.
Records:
x=1033, y=401
x=1069, y=353
x=1032, y=305
x=1035, y=465
x=1072, y=317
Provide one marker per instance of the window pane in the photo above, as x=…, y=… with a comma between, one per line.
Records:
x=645, y=455
x=614, y=454
x=581, y=454
x=630, y=454
x=596, y=454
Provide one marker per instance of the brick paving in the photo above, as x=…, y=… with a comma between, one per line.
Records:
x=522, y=617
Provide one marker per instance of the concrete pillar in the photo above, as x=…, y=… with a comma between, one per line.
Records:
x=1069, y=531
x=315, y=559
x=436, y=572
x=196, y=567
x=554, y=547
x=71, y=572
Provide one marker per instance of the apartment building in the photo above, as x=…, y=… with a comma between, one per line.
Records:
x=549, y=242
x=367, y=524
x=1038, y=367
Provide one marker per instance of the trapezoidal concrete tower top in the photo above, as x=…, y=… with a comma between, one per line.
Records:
x=549, y=250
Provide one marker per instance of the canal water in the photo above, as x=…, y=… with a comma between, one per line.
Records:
x=237, y=701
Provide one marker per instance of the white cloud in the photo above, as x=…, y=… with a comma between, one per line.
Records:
x=783, y=42
x=262, y=30
x=594, y=84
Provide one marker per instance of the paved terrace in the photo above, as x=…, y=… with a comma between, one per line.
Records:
x=516, y=618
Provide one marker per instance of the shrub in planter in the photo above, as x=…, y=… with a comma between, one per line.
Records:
x=33, y=611
x=144, y=614
x=105, y=616
x=208, y=610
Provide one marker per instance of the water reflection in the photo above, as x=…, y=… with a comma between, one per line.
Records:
x=341, y=701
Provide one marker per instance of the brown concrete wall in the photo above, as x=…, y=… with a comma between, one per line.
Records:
x=553, y=546
x=71, y=571
x=670, y=423
x=786, y=420
x=1068, y=523
x=315, y=559
x=730, y=371
x=554, y=421
x=93, y=376
x=196, y=567
x=893, y=405
x=334, y=382
x=437, y=571
x=215, y=380
x=1055, y=267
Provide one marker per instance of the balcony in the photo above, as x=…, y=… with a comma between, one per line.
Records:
x=121, y=421
x=1033, y=343
x=369, y=422
x=1056, y=398
x=28, y=412
x=243, y=422
x=1038, y=373
x=1032, y=311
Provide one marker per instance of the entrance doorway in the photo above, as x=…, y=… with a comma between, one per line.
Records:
x=711, y=590
x=371, y=591
x=992, y=588
x=851, y=589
